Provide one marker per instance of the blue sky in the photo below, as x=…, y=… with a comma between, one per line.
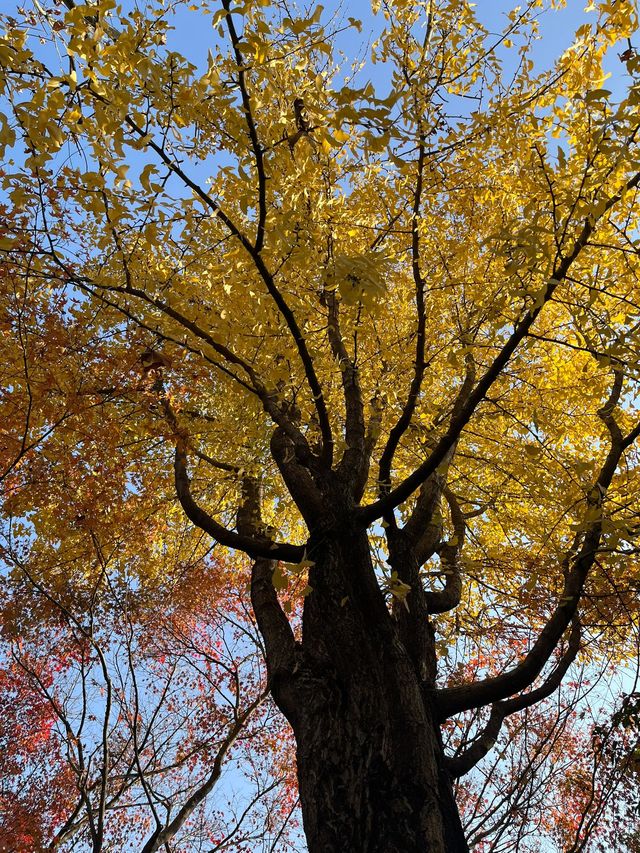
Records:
x=193, y=34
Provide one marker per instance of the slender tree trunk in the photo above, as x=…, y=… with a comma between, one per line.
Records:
x=370, y=758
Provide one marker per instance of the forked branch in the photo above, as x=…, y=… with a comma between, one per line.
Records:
x=404, y=490
x=254, y=547
x=453, y=700
x=481, y=746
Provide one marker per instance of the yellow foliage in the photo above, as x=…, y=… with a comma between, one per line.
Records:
x=277, y=231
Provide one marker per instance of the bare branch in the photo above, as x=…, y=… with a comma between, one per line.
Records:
x=161, y=837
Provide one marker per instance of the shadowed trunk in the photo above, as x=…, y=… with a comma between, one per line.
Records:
x=370, y=758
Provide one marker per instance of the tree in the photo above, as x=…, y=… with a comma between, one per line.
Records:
x=120, y=722
x=388, y=332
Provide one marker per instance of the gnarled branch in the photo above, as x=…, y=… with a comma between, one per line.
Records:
x=460, y=764
x=252, y=546
x=453, y=700
x=440, y=601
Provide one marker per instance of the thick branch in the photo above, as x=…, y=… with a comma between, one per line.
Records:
x=297, y=477
x=355, y=457
x=252, y=546
x=424, y=526
x=453, y=700
x=463, y=763
x=412, y=614
x=280, y=646
x=441, y=601
x=279, y=641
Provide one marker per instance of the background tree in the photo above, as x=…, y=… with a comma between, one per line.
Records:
x=555, y=779
x=132, y=675
x=122, y=722
x=390, y=341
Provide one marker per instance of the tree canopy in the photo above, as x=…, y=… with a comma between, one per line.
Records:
x=265, y=295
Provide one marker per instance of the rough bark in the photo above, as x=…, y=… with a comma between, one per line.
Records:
x=371, y=766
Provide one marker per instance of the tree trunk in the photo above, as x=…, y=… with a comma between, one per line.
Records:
x=369, y=751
